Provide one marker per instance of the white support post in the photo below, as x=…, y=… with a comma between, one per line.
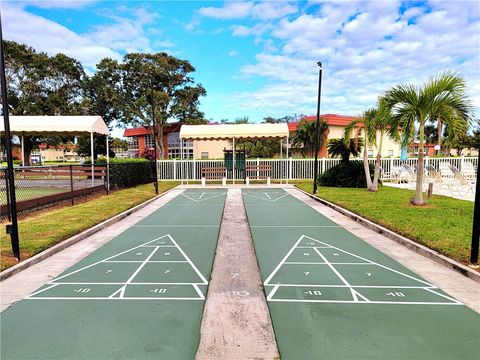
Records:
x=22, y=140
x=91, y=159
x=108, y=164
x=233, y=155
x=181, y=160
x=281, y=161
x=288, y=162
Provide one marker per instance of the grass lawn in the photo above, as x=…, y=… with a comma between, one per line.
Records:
x=40, y=232
x=26, y=194
x=444, y=225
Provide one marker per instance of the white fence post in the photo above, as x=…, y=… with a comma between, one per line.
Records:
x=174, y=169
x=194, y=169
x=290, y=163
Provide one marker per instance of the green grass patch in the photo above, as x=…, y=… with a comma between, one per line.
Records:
x=42, y=231
x=444, y=224
x=33, y=193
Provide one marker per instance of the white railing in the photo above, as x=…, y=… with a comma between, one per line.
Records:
x=294, y=169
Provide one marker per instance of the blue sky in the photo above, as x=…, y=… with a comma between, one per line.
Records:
x=258, y=58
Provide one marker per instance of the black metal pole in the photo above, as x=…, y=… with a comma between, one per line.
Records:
x=317, y=129
x=476, y=219
x=154, y=146
x=12, y=228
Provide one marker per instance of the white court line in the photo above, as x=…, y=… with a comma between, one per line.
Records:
x=353, y=292
x=320, y=263
x=261, y=198
x=269, y=198
x=123, y=283
x=364, y=302
x=40, y=291
x=197, y=289
x=104, y=260
x=137, y=271
x=113, y=299
x=201, y=195
x=281, y=262
x=296, y=226
x=371, y=262
x=355, y=286
x=205, y=282
x=274, y=290
x=151, y=261
x=211, y=197
x=174, y=225
x=442, y=295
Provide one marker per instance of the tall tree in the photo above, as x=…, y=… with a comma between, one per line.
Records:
x=304, y=138
x=442, y=96
x=39, y=84
x=377, y=124
x=152, y=89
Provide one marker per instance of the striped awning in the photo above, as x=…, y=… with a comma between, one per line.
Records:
x=230, y=131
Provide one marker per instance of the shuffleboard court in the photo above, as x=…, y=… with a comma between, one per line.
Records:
x=139, y=296
x=333, y=296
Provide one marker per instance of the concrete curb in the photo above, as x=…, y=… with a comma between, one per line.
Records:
x=412, y=245
x=74, y=239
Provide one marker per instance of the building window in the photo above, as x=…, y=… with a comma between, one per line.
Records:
x=204, y=155
x=174, y=147
x=390, y=152
x=132, y=143
x=149, y=142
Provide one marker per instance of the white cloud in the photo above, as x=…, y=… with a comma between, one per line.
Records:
x=231, y=10
x=233, y=53
x=113, y=40
x=52, y=4
x=365, y=47
x=266, y=10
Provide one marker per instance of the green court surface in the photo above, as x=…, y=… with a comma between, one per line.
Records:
x=140, y=296
x=333, y=296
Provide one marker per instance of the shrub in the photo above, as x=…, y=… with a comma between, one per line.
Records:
x=125, y=173
x=349, y=174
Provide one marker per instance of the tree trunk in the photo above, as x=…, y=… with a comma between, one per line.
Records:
x=159, y=142
x=418, y=199
x=366, y=167
x=439, y=130
x=376, y=174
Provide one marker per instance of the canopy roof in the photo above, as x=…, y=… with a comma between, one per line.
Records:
x=74, y=125
x=229, y=131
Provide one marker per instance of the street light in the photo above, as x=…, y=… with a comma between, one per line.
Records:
x=317, y=129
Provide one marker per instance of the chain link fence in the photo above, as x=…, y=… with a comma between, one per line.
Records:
x=40, y=187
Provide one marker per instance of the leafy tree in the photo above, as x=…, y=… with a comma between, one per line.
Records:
x=443, y=96
x=39, y=84
x=150, y=89
x=343, y=149
x=242, y=120
x=304, y=138
x=118, y=143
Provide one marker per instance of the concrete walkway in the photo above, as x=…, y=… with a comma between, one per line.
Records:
x=236, y=323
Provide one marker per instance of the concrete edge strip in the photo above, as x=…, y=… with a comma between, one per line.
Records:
x=412, y=245
x=75, y=238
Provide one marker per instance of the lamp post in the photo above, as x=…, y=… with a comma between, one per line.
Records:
x=317, y=129
x=12, y=228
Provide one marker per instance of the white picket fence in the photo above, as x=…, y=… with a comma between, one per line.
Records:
x=293, y=169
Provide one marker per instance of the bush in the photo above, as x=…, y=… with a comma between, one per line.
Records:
x=351, y=175
x=125, y=173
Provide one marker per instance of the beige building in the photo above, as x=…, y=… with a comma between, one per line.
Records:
x=210, y=149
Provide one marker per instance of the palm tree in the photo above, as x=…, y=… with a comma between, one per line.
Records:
x=343, y=149
x=376, y=121
x=304, y=138
x=443, y=96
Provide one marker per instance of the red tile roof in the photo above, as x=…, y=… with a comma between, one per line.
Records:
x=141, y=131
x=330, y=119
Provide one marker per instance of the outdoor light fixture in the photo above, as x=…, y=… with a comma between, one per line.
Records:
x=317, y=129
